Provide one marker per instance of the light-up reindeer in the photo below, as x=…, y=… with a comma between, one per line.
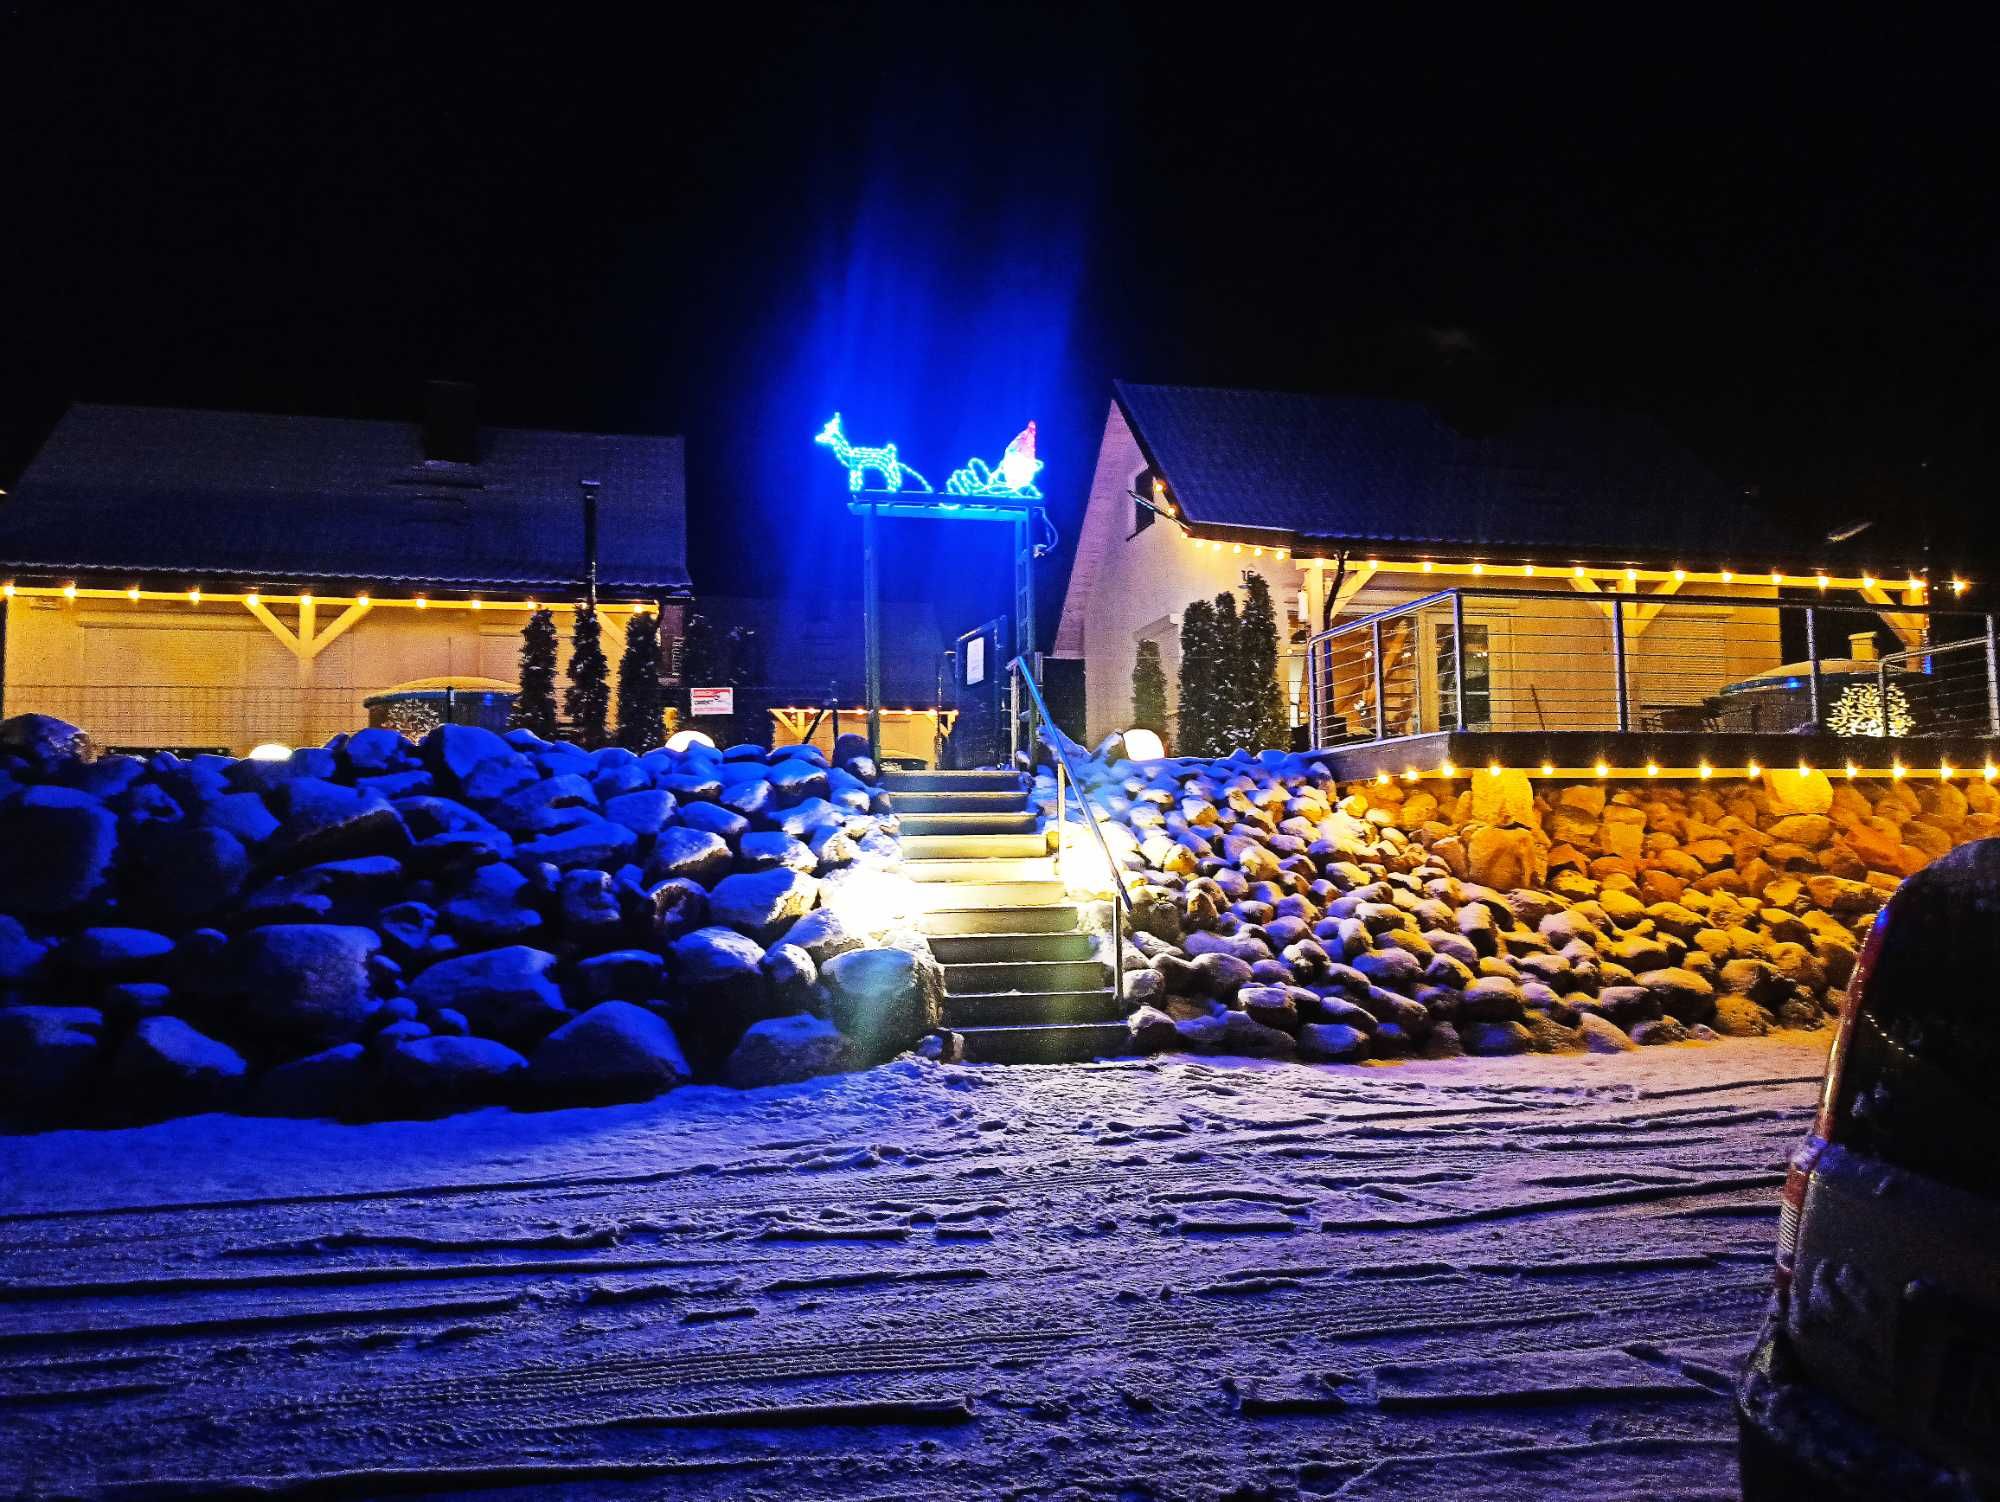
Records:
x=895, y=474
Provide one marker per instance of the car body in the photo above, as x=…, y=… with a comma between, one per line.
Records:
x=1878, y=1371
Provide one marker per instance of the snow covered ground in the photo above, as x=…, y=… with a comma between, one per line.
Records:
x=1509, y=1278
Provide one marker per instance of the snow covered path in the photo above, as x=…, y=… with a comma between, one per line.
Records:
x=1513, y=1277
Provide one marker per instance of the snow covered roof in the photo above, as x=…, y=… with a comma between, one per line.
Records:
x=146, y=491
x=1369, y=470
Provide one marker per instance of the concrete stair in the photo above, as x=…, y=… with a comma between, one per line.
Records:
x=1022, y=983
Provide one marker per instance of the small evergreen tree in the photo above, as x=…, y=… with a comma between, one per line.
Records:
x=535, y=705
x=587, y=700
x=639, y=700
x=1149, y=689
x=1194, y=729
x=701, y=656
x=1263, y=702
x=1230, y=726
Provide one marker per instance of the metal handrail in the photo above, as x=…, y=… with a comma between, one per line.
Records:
x=1050, y=734
x=1733, y=602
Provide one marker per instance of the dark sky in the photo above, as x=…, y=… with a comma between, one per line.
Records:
x=946, y=219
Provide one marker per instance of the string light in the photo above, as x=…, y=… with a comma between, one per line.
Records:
x=1776, y=577
x=1704, y=771
x=1446, y=769
x=1528, y=570
x=1493, y=770
x=1282, y=554
x=1680, y=576
x=1728, y=577
x=422, y=603
x=1804, y=770
x=69, y=591
x=1427, y=565
x=7, y=589
x=1867, y=581
x=1409, y=774
x=1256, y=552
x=1820, y=580
x=1237, y=548
x=1579, y=571
x=1990, y=772
x=1944, y=771
x=132, y=593
x=1631, y=576
x=477, y=603
x=1652, y=769
x=1603, y=770
x=1478, y=568
x=1898, y=771
x=362, y=601
x=1852, y=771
x=1958, y=586
x=194, y=595
x=1548, y=769
x=1916, y=584
x=1381, y=779
x=1751, y=769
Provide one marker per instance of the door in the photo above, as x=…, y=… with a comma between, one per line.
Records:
x=979, y=673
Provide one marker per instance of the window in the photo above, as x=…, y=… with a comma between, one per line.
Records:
x=1143, y=485
x=1478, y=679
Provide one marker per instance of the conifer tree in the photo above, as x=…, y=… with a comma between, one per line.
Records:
x=701, y=655
x=1266, y=721
x=1230, y=726
x=587, y=700
x=1194, y=729
x=535, y=705
x=639, y=699
x=1149, y=689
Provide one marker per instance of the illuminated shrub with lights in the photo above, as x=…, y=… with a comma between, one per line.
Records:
x=388, y=926
x=1858, y=711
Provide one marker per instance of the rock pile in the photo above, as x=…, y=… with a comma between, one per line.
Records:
x=375, y=927
x=1278, y=913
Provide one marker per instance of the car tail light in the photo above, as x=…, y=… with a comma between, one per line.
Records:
x=1826, y=1124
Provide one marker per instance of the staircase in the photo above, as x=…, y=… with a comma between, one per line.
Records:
x=1022, y=982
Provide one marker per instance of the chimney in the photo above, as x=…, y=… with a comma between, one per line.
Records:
x=1861, y=646
x=451, y=423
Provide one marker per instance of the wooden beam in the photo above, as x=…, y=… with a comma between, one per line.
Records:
x=275, y=626
x=1358, y=575
x=340, y=623
x=1909, y=629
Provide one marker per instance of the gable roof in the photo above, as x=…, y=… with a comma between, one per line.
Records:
x=158, y=490
x=1370, y=470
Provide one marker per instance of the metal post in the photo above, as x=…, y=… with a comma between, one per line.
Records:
x=871, y=632
x=1882, y=699
x=1313, y=734
x=1618, y=662
x=1062, y=813
x=590, y=542
x=1024, y=618
x=1814, y=687
x=1117, y=937
x=1458, y=660
x=1381, y=710
x=1992, y=680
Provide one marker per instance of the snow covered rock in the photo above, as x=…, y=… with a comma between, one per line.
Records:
x=46, y=1054
x=785, y=1050
x=614, y=1051
x=304, y=981
x=60, y=845
x=884, y=999
x=441, y=1073
x=762, y=904
x=337, y=1082
x=507, y=993
x=166, y=1066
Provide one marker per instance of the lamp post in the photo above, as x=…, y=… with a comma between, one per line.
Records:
x=590, y=541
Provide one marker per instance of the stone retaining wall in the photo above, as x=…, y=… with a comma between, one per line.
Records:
x=1282, y=914
x=375, y=927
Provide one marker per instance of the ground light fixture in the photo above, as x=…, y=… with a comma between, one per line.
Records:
x=680, y=740
x=1143, y=745
x=271, y=751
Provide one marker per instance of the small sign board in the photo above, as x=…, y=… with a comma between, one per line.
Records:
x=711, y=701
x=975, y=660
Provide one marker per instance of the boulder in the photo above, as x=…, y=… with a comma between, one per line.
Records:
x=442, y=1073
x=1150, y=1030
x=60, y=845
x=784, y=1051
x=884, y=999
x=1495, y=1038
x=323, y=821
x=696, y=855
x=185, y=872
x=771, y=849
x=116, y=954
x=622, y=975
x=166, y=1067
x=508, y=993
x=45, y=743
x=1681, y=993
x=303, y=981
x=1506, y=858
x=615, y=1051
x=337, y=1082
x=1658, y=1030
x=792, y=976
x=1601, y=1035
x=1331, y=1042
x=601, y=844
x=47, y=1055
x=1502, y=799
x=678, y=906
x=762, y=904
x=493, y=907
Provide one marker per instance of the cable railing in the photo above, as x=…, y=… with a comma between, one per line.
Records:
x=1521, y=660
x=1051, y=736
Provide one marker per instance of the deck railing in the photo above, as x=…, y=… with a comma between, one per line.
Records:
x=1535, y=660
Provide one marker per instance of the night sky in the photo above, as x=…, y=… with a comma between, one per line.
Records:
x=946, y=220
